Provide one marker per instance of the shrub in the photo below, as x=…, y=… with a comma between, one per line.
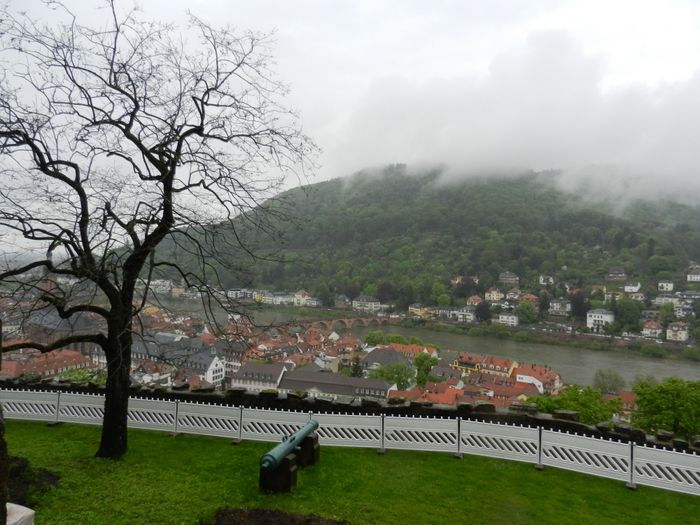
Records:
x=693, y=354
x=653, y=350
x=523, y=337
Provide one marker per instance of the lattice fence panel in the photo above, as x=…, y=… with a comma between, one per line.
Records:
x=86, y=409
x=420, y=433
x=608, y=459
x=346, y=430
x=654, y=467
x=667, y=469
x=208, y=420
x=271, y=425
x=152, y=414
x=499, y=441
x=34, y=406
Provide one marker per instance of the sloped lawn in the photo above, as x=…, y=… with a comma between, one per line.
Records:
x=167, y=480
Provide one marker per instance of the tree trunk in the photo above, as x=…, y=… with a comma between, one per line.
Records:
x=4, y=469
x=113, y=443
x=4, y=460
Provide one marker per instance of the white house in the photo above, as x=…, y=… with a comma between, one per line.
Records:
x=693, y=274
x=664, y=298
x=466, y=314
x=665, y=286
x=513, y=294
x=633, y=287
x=652, y=328
x=546, y=280
x=507, y=319
x=508, y=278
x=258, y=376
x=493, y=294
x=300, y=298
x=597, y=319
x=677, y=332
x=560, y=307
x=682, y=311
x=546, y=380
x=366, y=303
x=215, y=372
x=610, y=296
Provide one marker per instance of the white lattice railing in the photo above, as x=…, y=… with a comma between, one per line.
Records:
x=633, y=464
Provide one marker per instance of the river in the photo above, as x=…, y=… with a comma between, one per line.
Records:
x=575, y=365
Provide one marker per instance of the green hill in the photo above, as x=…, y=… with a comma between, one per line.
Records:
x=403, y=237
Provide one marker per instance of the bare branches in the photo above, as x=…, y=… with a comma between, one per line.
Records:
x=97, y=339
x=114, y=138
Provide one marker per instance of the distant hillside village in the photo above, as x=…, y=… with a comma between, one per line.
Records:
x=619, y=305
x=663, y=310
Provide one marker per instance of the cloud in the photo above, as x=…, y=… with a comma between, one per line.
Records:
x=539, y=107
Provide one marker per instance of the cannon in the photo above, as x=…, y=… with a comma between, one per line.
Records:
x=278, y=468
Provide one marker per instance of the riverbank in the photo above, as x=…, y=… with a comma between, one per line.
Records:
x=646, y=348
x=602, y=344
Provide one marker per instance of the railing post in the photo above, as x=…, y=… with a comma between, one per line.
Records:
x=177, y=414
x=459, y=454
x=539, y=465
x=382, y=450
x=58, y=410
x=239, y=439
x=631, y=484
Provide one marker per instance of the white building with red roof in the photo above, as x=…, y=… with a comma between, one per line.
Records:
x=652, y=328
x=499, y=366
x=48, y=364
x=300, y=298
x=493, y=294
x=474, y=300
x=544, y=378
x=677, y=331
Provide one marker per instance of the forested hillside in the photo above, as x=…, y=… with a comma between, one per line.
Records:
x=403, y=237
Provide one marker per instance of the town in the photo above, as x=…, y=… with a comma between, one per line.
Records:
x=187, y=351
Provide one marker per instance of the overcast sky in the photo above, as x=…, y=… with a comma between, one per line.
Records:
x=609, y=88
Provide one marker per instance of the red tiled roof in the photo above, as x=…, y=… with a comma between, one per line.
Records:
x=411, y=395
x=11, y=368
x=491, y=363
x=448, y=397
x=301, y=359
x=542, y=373
x=412, y=351
x=52, y=362
x=463, y=357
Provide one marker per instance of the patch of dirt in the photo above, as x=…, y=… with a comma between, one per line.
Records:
x=27, y=482
x=228, y=516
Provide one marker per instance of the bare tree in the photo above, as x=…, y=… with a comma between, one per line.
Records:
x=114, y=139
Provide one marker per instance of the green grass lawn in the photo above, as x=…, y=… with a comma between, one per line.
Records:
x=166, y=480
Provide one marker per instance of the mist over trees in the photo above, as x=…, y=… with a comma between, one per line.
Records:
x=403, y=236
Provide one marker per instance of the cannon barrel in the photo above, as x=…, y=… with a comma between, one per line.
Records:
x=272, y=459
